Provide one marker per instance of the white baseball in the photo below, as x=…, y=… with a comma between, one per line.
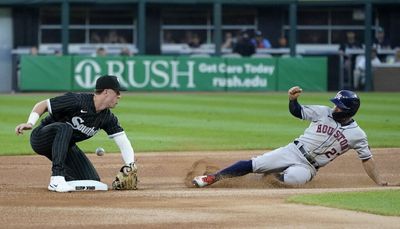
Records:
x=100, y=151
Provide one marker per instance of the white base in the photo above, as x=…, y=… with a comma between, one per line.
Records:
x=88, y=185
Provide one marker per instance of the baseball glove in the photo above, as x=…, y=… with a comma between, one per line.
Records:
x=126, y=178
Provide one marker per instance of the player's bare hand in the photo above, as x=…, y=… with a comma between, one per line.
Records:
x=389, y=184
x=21, y=127
x=294, y=92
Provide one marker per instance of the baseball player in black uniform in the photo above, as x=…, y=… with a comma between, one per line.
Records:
x=74, y=117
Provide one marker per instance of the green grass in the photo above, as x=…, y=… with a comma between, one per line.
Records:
x=208, y=121
x=376, y=202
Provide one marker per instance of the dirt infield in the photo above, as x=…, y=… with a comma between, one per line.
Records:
x=164, y=201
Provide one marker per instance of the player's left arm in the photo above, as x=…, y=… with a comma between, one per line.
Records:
x=372, y=171
x=117, y=133
x=125, y=148
x=126, y=178
x=305, y=112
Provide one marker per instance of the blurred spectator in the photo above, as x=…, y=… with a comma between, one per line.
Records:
x=348, y=59
x=359, y=70
x=194, y=41
x=34, y=51
x=350, y=43
x=282, y=42
x=397, y=56
x=229, y=41
x=187, y=38
x=168, y=39
x=101, y=52
x=95, y=38
x=57, y=52
x=113, y=38
x=244, y=45
x=381, y=42
x=259, y=41
x=314, y=38
x=126, y=52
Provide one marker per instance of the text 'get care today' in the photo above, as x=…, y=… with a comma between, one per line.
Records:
x=236, y=69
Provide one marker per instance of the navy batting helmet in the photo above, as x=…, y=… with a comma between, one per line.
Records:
x=348, y=102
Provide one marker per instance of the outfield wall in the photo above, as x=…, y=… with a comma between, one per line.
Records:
x=163, y=73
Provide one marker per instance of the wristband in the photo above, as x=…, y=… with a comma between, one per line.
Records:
x=33, y=117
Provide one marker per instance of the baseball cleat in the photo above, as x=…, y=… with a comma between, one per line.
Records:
x=202, y=181
x=58, y=184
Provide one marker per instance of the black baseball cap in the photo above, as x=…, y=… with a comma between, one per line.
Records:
x=109, y=82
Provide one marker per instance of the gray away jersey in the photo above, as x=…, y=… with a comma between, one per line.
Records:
x=78, y=110
x=325, y=139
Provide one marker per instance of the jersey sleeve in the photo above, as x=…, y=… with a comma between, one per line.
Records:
x=314, y=112
x=112, y=126
x=362, y=147
x=63, y=104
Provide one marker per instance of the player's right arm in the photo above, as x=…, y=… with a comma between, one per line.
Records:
x=37, y=111
x=371, y=170
x=294, y=106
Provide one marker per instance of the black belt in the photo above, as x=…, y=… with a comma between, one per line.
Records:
x=306, y=154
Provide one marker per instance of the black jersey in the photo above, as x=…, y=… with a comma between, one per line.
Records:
x=78, y=110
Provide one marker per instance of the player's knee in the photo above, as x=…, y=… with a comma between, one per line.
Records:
x=293, y=179
x=297, y=175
